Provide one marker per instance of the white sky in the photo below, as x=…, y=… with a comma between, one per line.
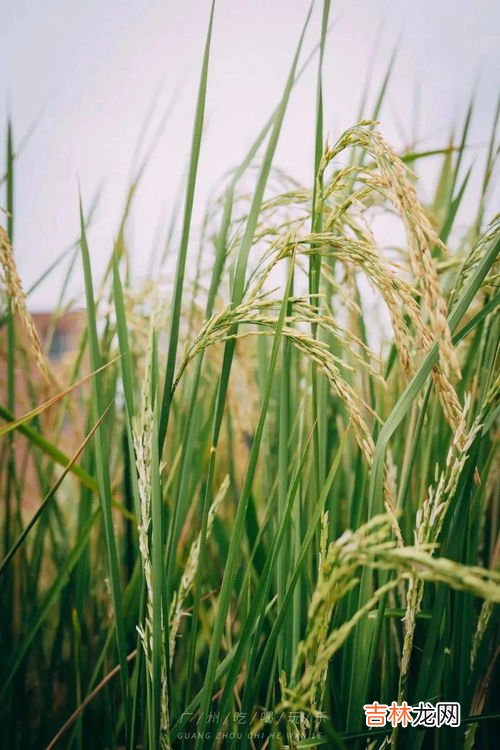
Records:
x=87, y=72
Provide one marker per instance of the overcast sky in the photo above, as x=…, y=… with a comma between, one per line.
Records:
x=87, y=72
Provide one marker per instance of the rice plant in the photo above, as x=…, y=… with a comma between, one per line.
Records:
x=245, y=508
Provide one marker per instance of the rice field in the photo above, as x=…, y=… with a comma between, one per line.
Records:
x=245, y=510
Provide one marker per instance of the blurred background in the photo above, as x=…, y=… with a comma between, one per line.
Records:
x=89, y=85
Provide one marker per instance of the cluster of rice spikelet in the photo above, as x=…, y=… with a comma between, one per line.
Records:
x=340, y=567
x=429, y=522
x=347, y=239
x=190, y=569
x=142, y=436
x=15, y=293
x=262, y=312
x=390, y=178
x=340, y=564
x=475, y=256
x=393, y=179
